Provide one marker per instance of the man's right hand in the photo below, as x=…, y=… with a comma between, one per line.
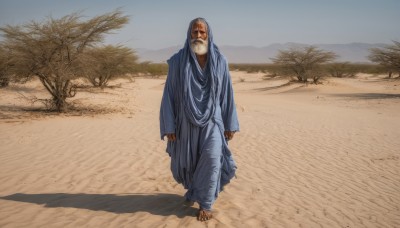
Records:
x=171, y=137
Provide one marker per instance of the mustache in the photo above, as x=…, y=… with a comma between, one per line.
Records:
x=194, y=41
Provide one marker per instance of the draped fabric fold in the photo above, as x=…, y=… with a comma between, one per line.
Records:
x=198, y=106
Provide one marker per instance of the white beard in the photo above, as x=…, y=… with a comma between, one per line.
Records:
x=199, y=48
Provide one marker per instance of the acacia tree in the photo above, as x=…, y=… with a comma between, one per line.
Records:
x=7, y=68
x=388, y=57
x=5, y=63
x=304, y=63
x=101, y=64
x=51, y=50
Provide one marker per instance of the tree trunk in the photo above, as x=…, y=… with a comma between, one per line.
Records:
x=60, y=104
x=304, y=78
x=315, y=80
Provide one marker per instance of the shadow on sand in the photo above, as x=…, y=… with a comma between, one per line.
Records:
x=369, y=96
x=157, y=204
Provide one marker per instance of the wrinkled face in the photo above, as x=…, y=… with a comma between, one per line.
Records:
x=199, y=30
x=199, y=41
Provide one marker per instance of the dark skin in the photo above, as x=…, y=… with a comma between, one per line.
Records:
x=199, y=31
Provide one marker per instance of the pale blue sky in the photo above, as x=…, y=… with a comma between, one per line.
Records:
x=161, y=23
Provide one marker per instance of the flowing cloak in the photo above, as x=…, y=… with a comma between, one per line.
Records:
x=198, y=106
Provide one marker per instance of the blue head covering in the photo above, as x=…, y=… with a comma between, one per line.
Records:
x=199, y=85
x=213, y=50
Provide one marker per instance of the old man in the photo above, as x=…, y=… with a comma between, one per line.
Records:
x=198, y=116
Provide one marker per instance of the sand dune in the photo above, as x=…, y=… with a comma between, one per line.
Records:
x=308, y=156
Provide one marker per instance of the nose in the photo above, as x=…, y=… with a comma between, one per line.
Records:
x=198, y=34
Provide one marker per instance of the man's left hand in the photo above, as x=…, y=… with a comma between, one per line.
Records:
x=229, y=135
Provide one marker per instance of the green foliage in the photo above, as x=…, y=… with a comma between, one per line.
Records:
x=152, y=69
x=251, y=68
x=346, y=69
x=272, y=70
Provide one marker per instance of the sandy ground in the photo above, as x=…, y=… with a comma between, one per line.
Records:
x=307, y=156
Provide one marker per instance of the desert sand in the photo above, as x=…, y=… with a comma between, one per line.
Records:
x=307, y=155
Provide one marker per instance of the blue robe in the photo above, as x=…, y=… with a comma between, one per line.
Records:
x=198, y=106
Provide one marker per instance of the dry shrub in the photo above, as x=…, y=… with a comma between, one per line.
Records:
x=388, y=57
x=51, y=50
x=304, y=63
x=102, y=64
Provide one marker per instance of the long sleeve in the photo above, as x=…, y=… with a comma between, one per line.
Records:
x=228, y=107
x=167, y=109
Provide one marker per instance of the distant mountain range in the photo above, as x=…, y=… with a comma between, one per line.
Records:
x=352, y=52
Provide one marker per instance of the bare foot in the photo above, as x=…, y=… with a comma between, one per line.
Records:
x=204, y=215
